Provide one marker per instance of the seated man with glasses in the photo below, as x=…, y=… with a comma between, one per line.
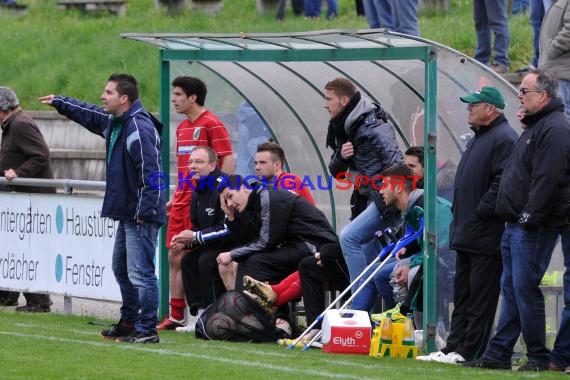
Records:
x=200, y=277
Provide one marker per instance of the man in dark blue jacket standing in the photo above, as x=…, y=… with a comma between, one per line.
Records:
x=476, y=231
x=533, y=198
x=133, y=141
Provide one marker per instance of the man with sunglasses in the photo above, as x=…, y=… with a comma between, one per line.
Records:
x=533, y=198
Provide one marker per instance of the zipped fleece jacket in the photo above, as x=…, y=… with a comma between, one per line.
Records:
x=133, y=164
x=535, y=186
x=281, y=217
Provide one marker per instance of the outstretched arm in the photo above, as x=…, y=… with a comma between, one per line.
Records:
x=90, y=116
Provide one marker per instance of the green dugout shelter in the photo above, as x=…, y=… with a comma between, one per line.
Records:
x=272, y=85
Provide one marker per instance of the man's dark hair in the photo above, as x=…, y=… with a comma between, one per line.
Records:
x=341, y=87
x=277, y=153
x=232, y=182
x=416, y=151
x=546, y=82
x=401, y=171
x=192, y=86
x=126, y=85
x=212, y=155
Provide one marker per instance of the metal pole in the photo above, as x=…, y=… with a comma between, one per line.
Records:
x=163, y=266
x=430, y=236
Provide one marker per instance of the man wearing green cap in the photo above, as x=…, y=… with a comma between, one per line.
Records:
x=475, y=231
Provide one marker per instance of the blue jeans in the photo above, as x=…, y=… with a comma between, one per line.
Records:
x=564, y=92
x=560, y=354
x=380, y=284
x=405, y=16
x=526, y=255
x=133, y=266
x=313, y=8
x=538, y=9
x=490, y=16
x=379, y=14
x=359, y=243
x=520, y=6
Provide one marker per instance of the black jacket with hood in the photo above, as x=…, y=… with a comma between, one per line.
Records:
x=365, y=125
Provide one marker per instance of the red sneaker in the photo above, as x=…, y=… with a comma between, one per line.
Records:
x=170, y=324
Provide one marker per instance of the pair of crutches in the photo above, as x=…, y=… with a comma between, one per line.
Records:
x=385, y=254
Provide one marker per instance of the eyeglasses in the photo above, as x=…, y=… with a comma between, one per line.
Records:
x=197, y=162
x=524, y=91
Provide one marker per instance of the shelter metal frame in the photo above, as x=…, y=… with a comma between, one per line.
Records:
x=318, y=46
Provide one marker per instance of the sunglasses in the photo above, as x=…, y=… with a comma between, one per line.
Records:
x=524, y=91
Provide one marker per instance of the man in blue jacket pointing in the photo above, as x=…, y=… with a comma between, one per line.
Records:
x=133, y=142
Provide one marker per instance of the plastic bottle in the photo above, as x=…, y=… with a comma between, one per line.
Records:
x=386, y=333
x=375, y=341
x=440, y=329
x=289, y=342
x=408, y=337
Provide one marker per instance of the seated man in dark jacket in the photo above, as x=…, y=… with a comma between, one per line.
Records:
x=200, y=276
x=287, y=229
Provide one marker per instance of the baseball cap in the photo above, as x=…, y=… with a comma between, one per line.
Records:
x=485, y=94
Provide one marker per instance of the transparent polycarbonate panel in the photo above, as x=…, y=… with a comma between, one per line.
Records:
x=245, y=126
x=292, y=110
x=252, y=44
x=296, y=43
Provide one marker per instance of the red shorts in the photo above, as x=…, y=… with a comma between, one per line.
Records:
x=178, y=221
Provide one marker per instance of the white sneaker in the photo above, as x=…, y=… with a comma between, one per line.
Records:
x=432, y=357
x=452, y=358
x=189, y=328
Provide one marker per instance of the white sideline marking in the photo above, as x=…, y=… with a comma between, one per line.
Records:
x=162, y=340
x=136, y=347
x=225, y=348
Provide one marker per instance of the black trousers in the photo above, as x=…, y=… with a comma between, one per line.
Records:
x=272, y=266
x=43, y=300
x=201, y=278
x=476, y=294
x=313, y=277
x=297, y=8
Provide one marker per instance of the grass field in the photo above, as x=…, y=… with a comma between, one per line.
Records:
x=51, y=346
x=67, y=52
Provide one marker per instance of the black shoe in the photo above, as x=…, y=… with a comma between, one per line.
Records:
x=8, y=298
x=33, y=308
x=148, y=337
x=14, y=6
x=532, y=366
x=119, y=330
x=488, y=363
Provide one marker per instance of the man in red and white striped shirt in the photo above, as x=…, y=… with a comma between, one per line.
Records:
x=200, y=128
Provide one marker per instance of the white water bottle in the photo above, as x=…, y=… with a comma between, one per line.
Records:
x=440, y=333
